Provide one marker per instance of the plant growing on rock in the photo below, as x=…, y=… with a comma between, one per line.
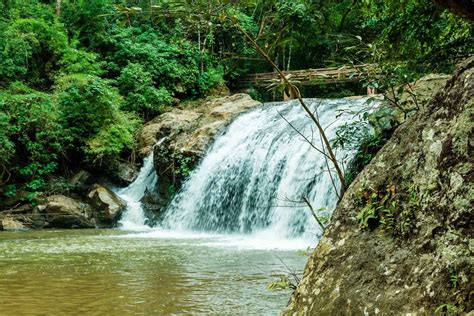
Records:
x=389, y=210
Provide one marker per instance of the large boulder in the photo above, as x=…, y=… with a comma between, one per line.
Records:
x=162, y=126
x=108, y=206
x=61, y=211
x=20, y=217
x=400, y=240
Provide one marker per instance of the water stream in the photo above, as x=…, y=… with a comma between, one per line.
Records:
x=134, y=218
x=255, y=177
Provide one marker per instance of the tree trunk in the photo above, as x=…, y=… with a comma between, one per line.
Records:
x=58, y=7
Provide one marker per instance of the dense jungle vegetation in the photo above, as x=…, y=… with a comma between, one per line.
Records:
x=78, y=78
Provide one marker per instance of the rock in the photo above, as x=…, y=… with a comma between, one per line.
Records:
x=82, y=180
x=153, y=203
x=9, y=223
x=20, y=217
x=417, y=255
x=126, y=173
x=161, y=126
x=423, y=90
x=63, y=212
x=107, y=205
x=56, y=211
x=219, y=90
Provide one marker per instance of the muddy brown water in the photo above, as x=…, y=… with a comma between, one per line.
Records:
x=113, y=272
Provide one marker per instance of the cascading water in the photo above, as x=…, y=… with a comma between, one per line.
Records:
x=134, y=218
x=255, y=176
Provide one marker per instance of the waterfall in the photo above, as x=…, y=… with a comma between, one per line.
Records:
x=254, y=177
x=134, y=217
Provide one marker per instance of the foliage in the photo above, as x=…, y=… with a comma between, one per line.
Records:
x=75, y=61
x=211, y=78
x=282, y=284
x=30, y=51
x=31, y=133
x=182, y=164
x=388, y=209
x=7, y=147
x=449, y=309
x=91, y=116
x=174, y=66
x=432, y=37
x=366, y=136
x=454, y=278
x=141, y=96
x=114, y=138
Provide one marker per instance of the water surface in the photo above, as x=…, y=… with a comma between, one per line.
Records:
x=118, y=272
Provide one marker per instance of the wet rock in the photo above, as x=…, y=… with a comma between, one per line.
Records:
x=153, y=204
x=107, y=206
x=126, y=173
x=406, y=262
x=61, y=211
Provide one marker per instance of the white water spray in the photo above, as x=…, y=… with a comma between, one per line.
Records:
x=134, y=217
x=255, y=176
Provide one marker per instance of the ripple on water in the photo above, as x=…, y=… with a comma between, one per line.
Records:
x=158, y=272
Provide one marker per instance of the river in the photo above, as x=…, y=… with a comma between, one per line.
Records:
x=117, y=272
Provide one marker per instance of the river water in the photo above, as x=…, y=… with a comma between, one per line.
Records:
x=115, y=272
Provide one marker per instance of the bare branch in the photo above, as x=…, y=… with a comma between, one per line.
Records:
x=302, y=135
x=314, y=213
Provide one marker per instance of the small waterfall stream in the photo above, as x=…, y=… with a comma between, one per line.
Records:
x=134, y=218
x=254, y=177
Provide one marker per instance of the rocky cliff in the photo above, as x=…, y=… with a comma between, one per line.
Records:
x=401, y=239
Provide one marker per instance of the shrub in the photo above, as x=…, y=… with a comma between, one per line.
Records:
x=141, y=96
x=173, y=66
x=31, y=136
x=30, y=50
x=211, y=78
x=113, y=139
x=91, y=116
